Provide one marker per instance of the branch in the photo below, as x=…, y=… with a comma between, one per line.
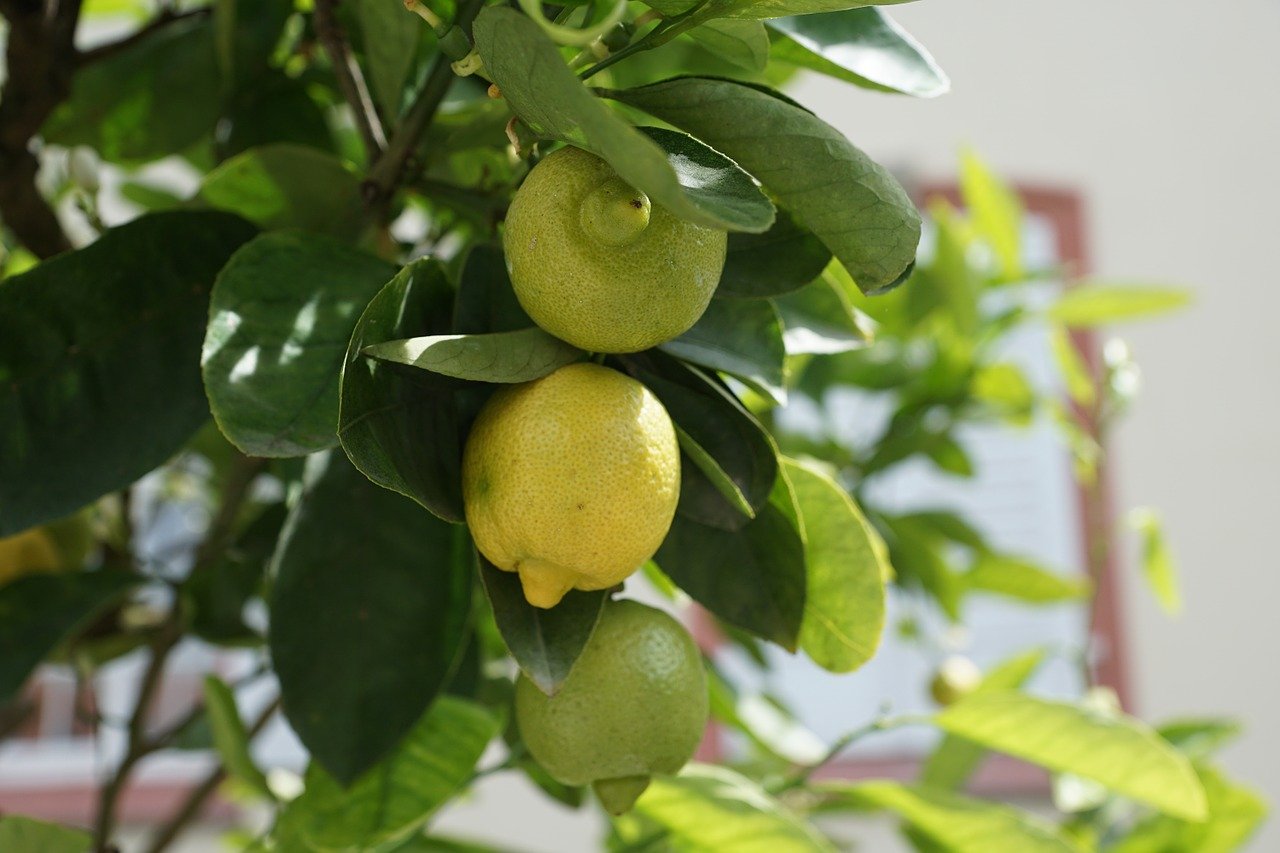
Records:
x=159, y=22
x=350, y=79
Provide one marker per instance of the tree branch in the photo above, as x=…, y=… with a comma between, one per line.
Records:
x=350, y=79
x=159, y=22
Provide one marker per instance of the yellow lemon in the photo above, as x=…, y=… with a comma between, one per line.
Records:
x=596, y=264
x=571, y=480
x=634, y=704
x=26, y=553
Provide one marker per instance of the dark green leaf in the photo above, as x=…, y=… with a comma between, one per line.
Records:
x=741, y=337
x=860, y=46
x=245, y=34
x=679, y=173
x=847, y=567
x=1116, y=751
x=275, y=109
x=486, y=301
x=764, y=593
x=20, y=834
x=858, y=210
x=37, y=612
x=544, y=642
x=230, y=737
x=505, y=357
x=784, y=258
x=99, y=361
x=712, y=471
x=398, y=425
x=818, y=319
x=217, y=596
x=390, y=42
x=396, y=796
x=280, y=316
x=289, y=186
x=368, y=615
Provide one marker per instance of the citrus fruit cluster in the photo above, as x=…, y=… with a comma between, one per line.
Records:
x=572, y=480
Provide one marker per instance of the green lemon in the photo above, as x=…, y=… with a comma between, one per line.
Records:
x=571, y=480
x=596, y=263
x=634, y=704
x=956, y=678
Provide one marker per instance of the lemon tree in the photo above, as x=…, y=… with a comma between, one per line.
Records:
x=439, y=371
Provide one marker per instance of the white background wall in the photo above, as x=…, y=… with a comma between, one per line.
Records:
x=1165, y=115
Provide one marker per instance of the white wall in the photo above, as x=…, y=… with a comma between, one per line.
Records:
x=1165, y=114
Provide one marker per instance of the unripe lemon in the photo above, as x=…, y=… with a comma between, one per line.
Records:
x=634, y=704
x=571, y=480
x=956, y=678
x=596, y=264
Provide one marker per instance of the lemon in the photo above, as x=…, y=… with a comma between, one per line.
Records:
x=955, y=679
x=571, y=480
x=596, y=264
x=26, y=553
x=634, y=704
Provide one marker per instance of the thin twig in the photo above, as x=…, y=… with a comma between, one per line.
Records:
x=350, y=79
x=146, y=31
x=803, y=774
x=192, y=806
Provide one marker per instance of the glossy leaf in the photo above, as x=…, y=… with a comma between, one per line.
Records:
x=711, y=470
x=996, y=213
x=1103, y=303
x=486, y=301
x=847, y=566
x=765, y=592
x=37, y=612
x=280, y=316
x=858, y=210
x=744, y=43
x=99, y=361
x=953, y=761
x=1118, y=752
x=819, y=319
x=230, y=737
x=782, y=259
x=959, y=824
x=711, y=417
x=1157, y=561
x=368, y=615
x=398, y=795
x=686, y=177
x=284, y=185
x=400, y=426
x=506, y=357
x=390, y=42
x=860, y=46
x=1022, y=580
x=545, y=642
x=714, y=808
x=20, y=834
x=740, y=337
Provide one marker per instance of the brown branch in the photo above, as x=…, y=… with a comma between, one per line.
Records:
x=159, y=22
x=192, y=806
x=350, y=79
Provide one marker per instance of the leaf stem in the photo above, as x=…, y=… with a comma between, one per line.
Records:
x=350, y=79
x=664, y=32
x=881, y=724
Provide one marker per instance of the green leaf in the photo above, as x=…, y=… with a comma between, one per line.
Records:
x=507, y=357
x=99, y=361
x=918, y=554
x=860, y=46
x=157, y=98
x=1199, y=738
x=1157, y=561
x=959, y=824
x=397, y=796
x=744, y=43
x=245, y=35
x=1102, y=303
x=684, y=176
x=1075, y=371
x=545, y=642
x=1235, y=814
x=765, y=591
x=712, y=418
x=819, y=319
x=400, y=426
x=38, y=612
x=714, y=808
x=761, y=9
x=216, y=598
x=289, y=186
x=741, y=337
x=996, y=214
x=277, y=108
x=368, y=615
x=953, y=762
x=390, y=42
x=1118, y=752
x=1023, y=580
x=486, y=301
x=20, y=834
x=1004, y=387
x=858, y=210
x=711, y=469
x=783, y=259
x=280, y=316
x=847, y=565
x=230, y=736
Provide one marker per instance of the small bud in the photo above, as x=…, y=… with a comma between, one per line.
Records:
x=82, y=168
